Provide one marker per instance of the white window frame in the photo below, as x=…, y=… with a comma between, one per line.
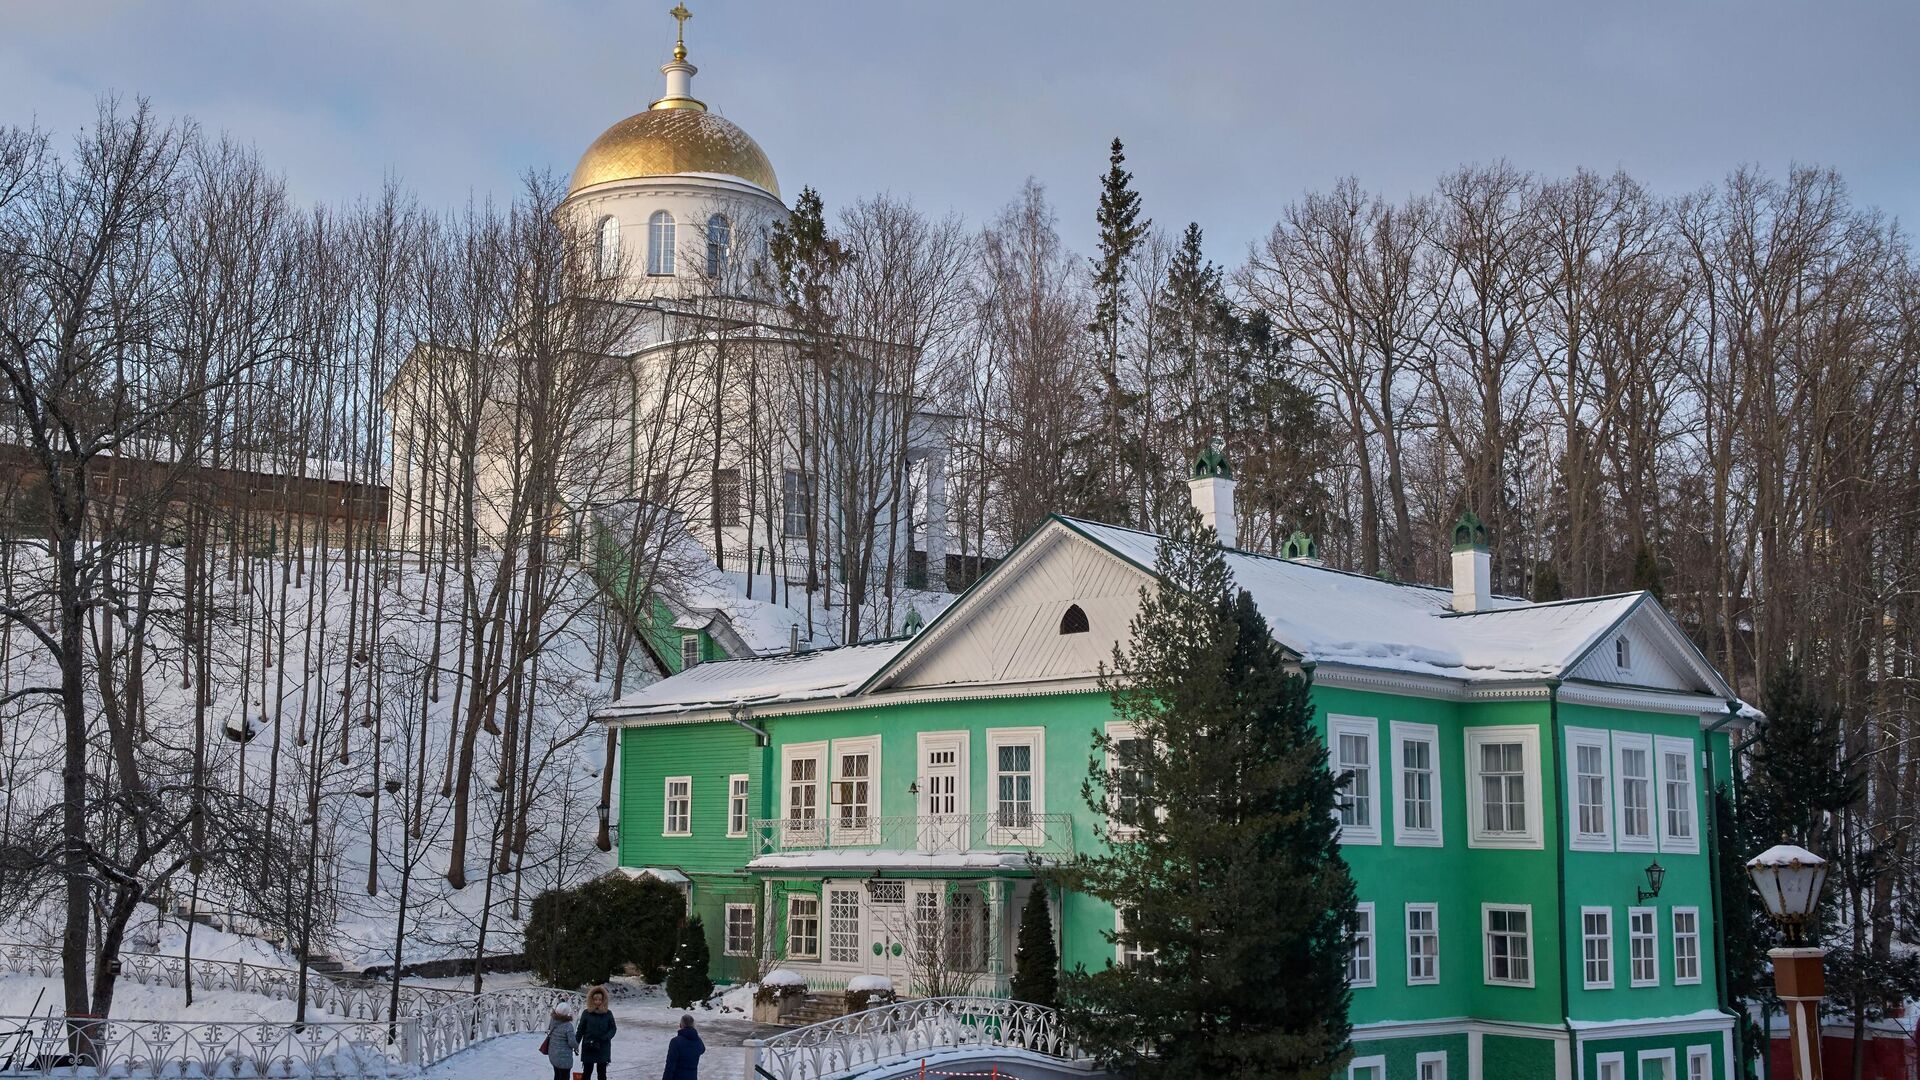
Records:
x=726, y=930
x=1622, y=839
x=1586, y=977
x=793, y=832
x=1478, y=835
x=1591, y=739
x=739, y=805
x=943, y=832
x=689, y=651
x=859, y=946
x=1429, y=909
x=1696, y=1055
x=1665, y=747
x=1369, y=935
x=1367, y=728
x=661, y=233
x=1118, y=730
x=1673, y=922
x=1652, y=938
x=607, y=248
x=1121, y=957
x=1623, y=653
x=818, y=900
x=1486, y=944
x=1615, y=1058
x=1649, y=1057
x=1374, y=1064
x=1014, y=835
x=1426, y=1058
x=867, y=829
x=666, y=807
x=1404, y=834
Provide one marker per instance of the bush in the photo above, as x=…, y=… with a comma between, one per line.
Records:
x=779, y=985
x=689, y=982
x=869, y=992
x=578, y=937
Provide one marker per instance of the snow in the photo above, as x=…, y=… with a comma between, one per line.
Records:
x=27, y=995
x=807, y=676
x=1704, y=1016
x=782, y=977
x=1786, y=855
x=869, y=982
x=884, y=860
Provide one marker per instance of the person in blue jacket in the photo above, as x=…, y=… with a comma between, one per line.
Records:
x=683, y=1052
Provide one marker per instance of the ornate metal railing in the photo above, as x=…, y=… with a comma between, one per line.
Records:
x=1048, y=836
x=333, y=997
x=514, y=1011
x=908, y=1030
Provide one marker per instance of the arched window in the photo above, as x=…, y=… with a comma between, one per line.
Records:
x=719, y=245
x=606, y=260
x=1074, y=621
x=660, y=243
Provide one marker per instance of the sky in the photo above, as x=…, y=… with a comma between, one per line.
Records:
x=1229, y=110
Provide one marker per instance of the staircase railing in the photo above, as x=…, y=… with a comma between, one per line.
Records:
x=906, y=1031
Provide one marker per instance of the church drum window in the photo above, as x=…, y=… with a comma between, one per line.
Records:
x=660, y=244
x=719, y=245
x=607, y=247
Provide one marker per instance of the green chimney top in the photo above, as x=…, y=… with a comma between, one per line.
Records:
x=1213, y=461
x=1301, y=546
x=1468, y=533
x=913, y=620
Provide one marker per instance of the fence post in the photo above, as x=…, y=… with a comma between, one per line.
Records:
x=410, y=1049
x=752, y=1049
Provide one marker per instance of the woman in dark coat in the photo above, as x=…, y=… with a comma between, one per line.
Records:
x=683, y=1052
x=595, y=1034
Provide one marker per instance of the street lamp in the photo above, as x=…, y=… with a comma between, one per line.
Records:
x=1789, y=880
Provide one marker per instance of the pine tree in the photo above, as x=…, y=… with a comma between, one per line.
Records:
x=1121, y=232
x=1646, y=571
x=689, y=981
x=1234, y=896
x=1036, y=963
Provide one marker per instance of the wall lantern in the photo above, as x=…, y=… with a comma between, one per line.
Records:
x=1656, y=875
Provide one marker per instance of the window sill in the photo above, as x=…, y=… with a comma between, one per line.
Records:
x=1505, y=841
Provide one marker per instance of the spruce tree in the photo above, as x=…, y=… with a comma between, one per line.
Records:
x=1036, y=963
x=1121, y=232
x=1233, y=895
x=689, y=981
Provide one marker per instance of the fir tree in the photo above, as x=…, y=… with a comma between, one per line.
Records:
x=1121, y=232
x=1036, y=963
x=1646, y=571
x=689, y=981
x=1234, y=896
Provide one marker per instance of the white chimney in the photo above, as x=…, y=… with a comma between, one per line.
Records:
x=1472, y=565
x=1211, y=487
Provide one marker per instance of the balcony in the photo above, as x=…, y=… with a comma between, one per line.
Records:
x=958, y=841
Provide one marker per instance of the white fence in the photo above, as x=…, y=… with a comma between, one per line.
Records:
x=906, y=1031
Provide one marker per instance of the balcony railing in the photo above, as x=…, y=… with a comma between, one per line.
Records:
x=1044, y=835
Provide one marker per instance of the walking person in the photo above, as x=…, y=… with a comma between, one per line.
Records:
x=683, y=1052
x=558, y=1045
x=595, y=1033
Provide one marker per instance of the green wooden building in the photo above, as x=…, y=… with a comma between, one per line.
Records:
x=1517, y=770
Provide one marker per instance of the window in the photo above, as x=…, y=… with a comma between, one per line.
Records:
x=679, y=815
x=689, y=651
x=660, y=244
x=966, y=931
x=1368, y=1068
x=1596, y=945
x=739, y=937
x=719, y=246
x=1676, y=796
x=793, y=504
x=1633, y=785
x=1423, y=944
x=1127, y=781
x=1699, y=1063
x=1643, y=947
x=1656, y=1065
x=606, y=261
x=1587, y=779
x=1686, y=945
x=1128, y=954
x=1622, y=653
x=856, y=766
x=1074, y=621
x=843, y=926
x=726, y=497
x=802, y=769
x=1016, y=757
x=1356, y=763
x=1610, y=1066
x=1431, y=1065
x=1416, y=762
x=803, y=927
x=1360, y=952
x=738, y=814
x=1509, y=936
x=1503, y=766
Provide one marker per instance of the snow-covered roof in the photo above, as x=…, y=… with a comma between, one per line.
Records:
x=760, y=680
x=893, y=859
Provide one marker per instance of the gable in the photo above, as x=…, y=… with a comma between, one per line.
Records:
x=1008, y=628
x=1659, y=656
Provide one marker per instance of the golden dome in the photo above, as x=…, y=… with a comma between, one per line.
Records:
x=670, y=141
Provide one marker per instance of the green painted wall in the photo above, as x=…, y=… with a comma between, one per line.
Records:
x=709, y=753
x=1591, y=1049
x=1506, y=1057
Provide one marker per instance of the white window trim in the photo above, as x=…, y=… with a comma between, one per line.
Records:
x=1372, y=936
x=1014, y=836
x=931, y=838
x=734, y=794
x=1623, y=653
x=790, y=832
x=1663, y=746
x=666, y=806
x=1586, y=983
x=1486, y=945
x=1375, y=1063
x=1430, y=1057
x=860, y=930
x=687, y=662
x=1402, y=733
x=1648, y=1057
x=726, y=930
x=1120, y=950
x=1612, y=1057
x=1622, y=741
x=1699, y=961
x=1117, y=729
x=1653, y=915
x=1407, y=926
x=819, y=923
x=1577, y=840
x=1699, y=1053
x=837, y=833
x=1369, y=728
x=1477, y=834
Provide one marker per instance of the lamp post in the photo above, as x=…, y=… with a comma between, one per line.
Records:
x=1789, y=880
